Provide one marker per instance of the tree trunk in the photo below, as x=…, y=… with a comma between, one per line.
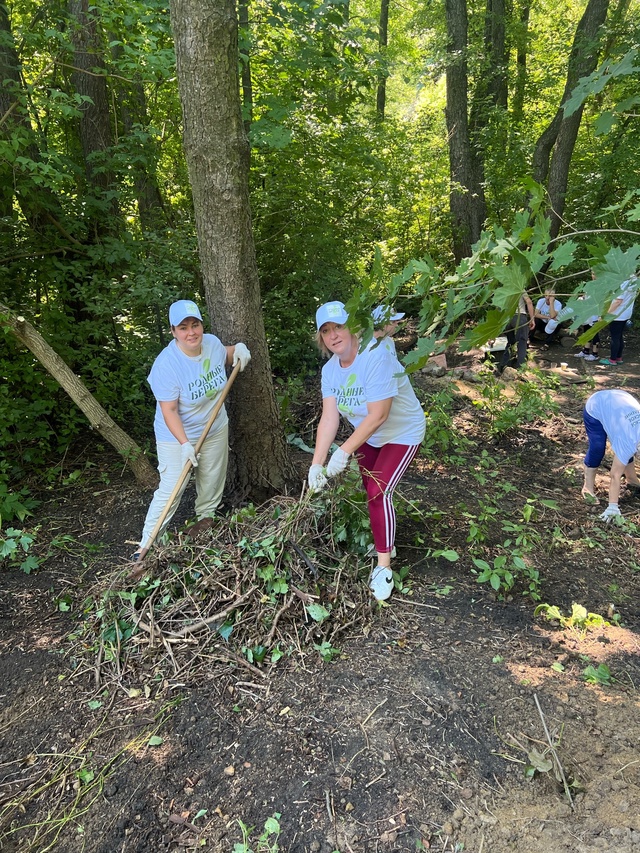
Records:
x=466, y=197
x=81, y=396
x=217, y=153
x=383, y=42
x=96, y=136
x=522, y=42
x=554, y=149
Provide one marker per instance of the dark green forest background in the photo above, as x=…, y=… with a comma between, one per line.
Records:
x=443, y=155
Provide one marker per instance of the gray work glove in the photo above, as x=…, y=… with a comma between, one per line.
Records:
x=338, y=462
x=317, y=480
x=188, y=454
x=610, y=512
x=241, y=354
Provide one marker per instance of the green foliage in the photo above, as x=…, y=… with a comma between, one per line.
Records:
x=580, y=618
x=15, y=545
x=266, y=842
x=530, y=402
x=442, y=440
x=598, y=675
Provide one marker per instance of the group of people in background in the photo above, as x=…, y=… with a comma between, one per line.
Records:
x=546, y=318
x=368, y=388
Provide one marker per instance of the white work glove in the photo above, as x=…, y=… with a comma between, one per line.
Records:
x=188, y=454
x=241, y=354
x=610, y=512
x=317, y=480
x=338, y=462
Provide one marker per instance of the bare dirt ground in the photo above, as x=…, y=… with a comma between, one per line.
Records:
x=417, y=735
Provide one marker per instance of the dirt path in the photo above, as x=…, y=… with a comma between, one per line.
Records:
x=417, y=734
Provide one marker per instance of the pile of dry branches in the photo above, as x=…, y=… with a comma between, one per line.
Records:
x=264, y=584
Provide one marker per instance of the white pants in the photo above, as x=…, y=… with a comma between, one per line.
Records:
x=210, y=476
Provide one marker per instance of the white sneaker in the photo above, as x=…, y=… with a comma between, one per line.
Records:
x=591, y=357
x=371, y=551
x=381, y=583
x=580, y=355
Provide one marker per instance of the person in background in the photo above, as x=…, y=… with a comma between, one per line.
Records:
x=386, y=321
x=622, y=309
x=590, y=350
x=612, y=414
x=186, y=378
x=372, y=392
x=545, y=313
x=517, y=332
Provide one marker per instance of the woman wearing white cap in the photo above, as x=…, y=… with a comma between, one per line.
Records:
x=186, y=379
x=373, y=393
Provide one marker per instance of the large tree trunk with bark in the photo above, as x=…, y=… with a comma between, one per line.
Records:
x=217, y=153
x=466, y=197
x=81, y=396
x=554, y=149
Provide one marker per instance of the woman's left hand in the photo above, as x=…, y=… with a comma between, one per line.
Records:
x=338, y=462
x=241, y=354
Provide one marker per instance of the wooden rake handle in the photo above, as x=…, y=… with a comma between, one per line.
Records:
x=187, y=468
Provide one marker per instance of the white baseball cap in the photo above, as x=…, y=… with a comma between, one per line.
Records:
x=331, y=312
x=182, y=309
x=386, y=313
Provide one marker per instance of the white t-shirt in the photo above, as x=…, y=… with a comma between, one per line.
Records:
x=195, y=381
x=376, y=374
x=628, y=296
x=619, y=413
x=543, y=308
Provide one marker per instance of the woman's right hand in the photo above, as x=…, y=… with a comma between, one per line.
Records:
x=317, y=480
x=188, y=454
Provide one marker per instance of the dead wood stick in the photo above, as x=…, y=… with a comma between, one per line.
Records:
x=553, y=751
x=276, y=619
x=303, y=596
x=311, y=566
x=204, y=623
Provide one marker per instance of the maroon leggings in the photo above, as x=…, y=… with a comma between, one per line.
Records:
x=382, y=469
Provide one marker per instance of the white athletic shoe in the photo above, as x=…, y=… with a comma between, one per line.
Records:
x=591, y=357
x=371, y=551
x=580, y=354
x=381, y=583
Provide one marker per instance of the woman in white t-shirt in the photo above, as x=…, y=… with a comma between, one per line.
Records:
x=611, y=414
x=186, y=378
x=622, y=309
x=371, y=391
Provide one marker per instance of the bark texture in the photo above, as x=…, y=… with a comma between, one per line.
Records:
x=554, y=149
x=217, y=153
x=81, y=396
x=466, y=197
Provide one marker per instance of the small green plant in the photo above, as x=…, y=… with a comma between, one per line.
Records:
x=580, y=617
x=442, y=440
x=532, y=401
x=15, y=545
x=267, y=841
x=598, y=675
x=326, y=651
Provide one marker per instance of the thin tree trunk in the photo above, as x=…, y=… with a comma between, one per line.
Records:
x=466, y=197
x=522, y=42
x=217, y=153
x=554, y=149
x=383, y=43
x=81, y=396
x=95, y=125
